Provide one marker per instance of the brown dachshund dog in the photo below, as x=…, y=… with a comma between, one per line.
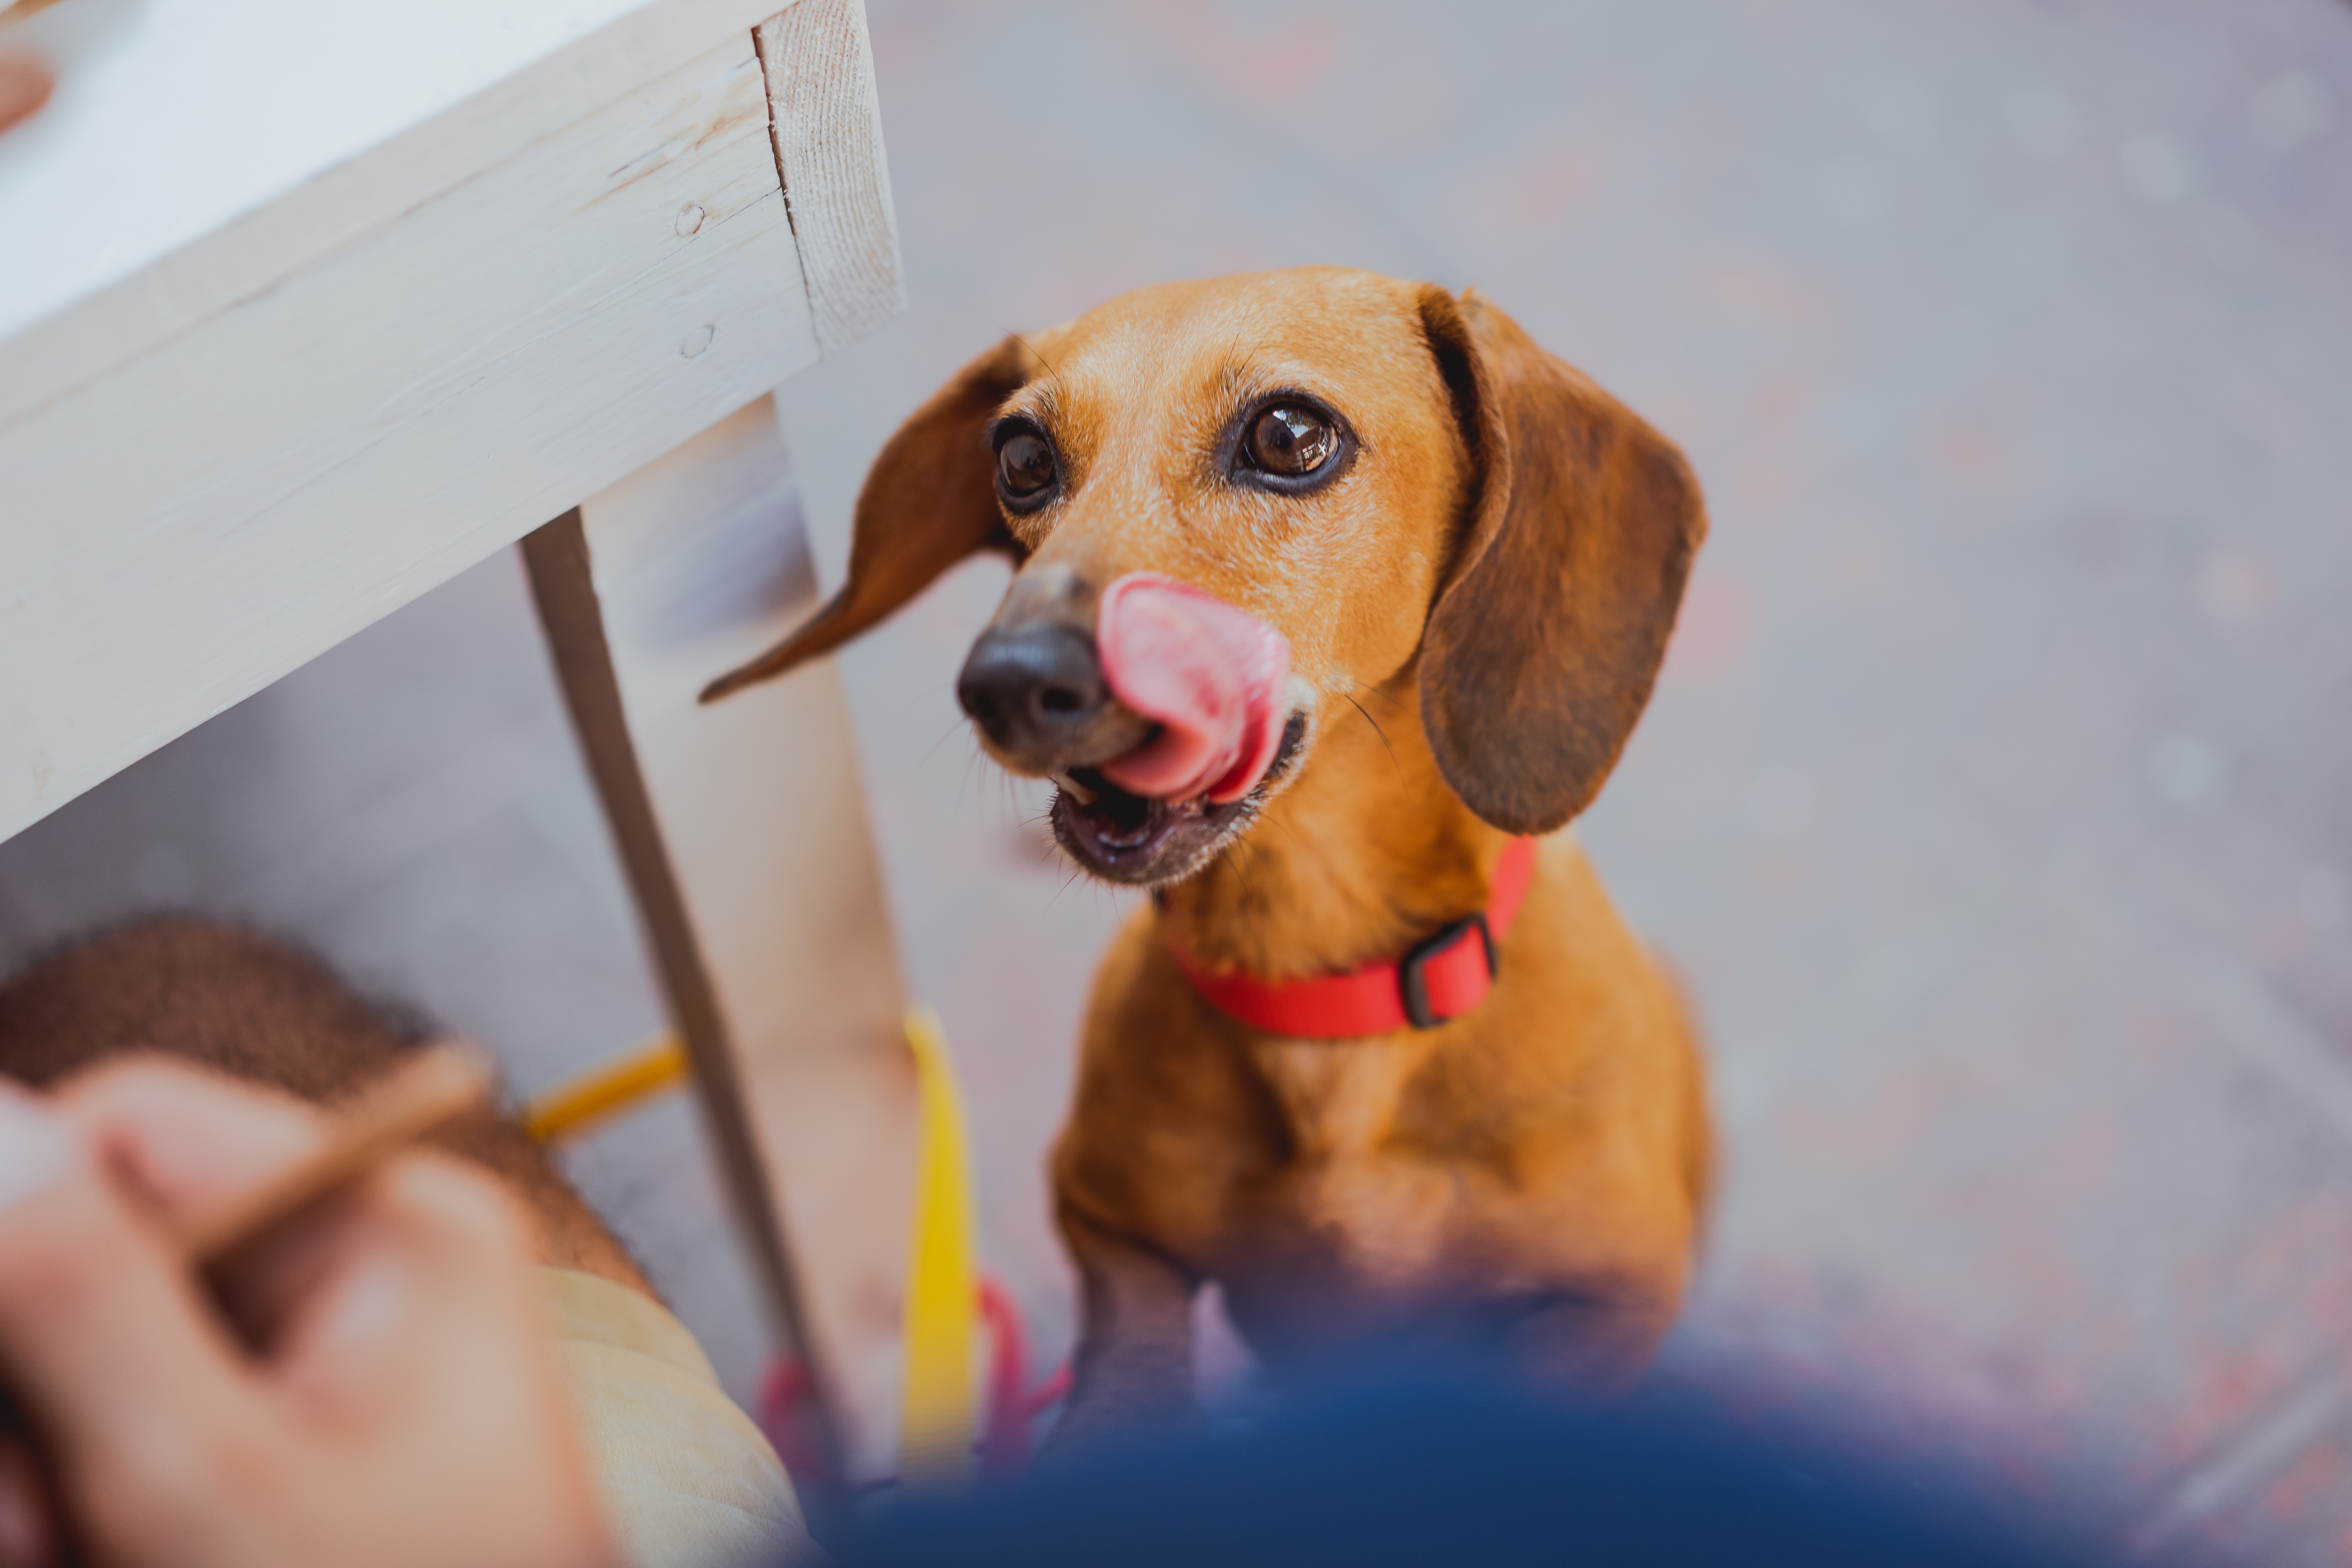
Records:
x=1393, y=587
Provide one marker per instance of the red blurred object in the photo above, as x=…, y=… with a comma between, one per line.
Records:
x=1051, y=1392
x=1004, y=1424
x=785, y=1416
x=786, y=1388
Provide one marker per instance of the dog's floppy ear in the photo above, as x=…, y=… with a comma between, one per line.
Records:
x=1561, y=591
x=928, y=502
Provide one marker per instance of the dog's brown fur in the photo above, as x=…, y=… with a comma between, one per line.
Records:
x=256, y=1009
x=1477, y=607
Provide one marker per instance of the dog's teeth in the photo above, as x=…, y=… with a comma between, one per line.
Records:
x=1076, y=790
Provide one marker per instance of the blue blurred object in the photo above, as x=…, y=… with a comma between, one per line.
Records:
x=1427, y=1470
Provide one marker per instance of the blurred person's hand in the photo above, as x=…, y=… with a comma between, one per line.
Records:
x=25, y=83
x=380, y=1389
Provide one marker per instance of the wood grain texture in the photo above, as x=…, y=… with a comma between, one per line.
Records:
x=826, y=120
x=698, y=560
x=182, y=531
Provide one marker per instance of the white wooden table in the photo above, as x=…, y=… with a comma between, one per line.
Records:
x=308, y=305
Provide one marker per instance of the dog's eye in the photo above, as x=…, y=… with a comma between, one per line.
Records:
x=1290, y=441
x=1024, y=466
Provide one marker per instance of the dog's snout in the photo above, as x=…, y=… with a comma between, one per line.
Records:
x=1034, y=690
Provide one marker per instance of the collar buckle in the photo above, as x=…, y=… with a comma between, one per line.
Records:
x=1414, y=982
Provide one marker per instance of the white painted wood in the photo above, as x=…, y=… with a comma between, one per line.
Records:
x=828, y=131
x=700, y=562
x=177, y=533
x=197, y=149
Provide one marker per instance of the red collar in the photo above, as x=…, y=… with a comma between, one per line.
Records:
x=1441, y=977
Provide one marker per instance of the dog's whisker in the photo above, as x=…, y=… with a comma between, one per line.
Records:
x=1052, y=375
x=1383, y=734
x=974, y=760
x=944, y=736
x=1076, y=871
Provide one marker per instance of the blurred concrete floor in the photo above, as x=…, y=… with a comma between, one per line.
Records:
x=1997, y=800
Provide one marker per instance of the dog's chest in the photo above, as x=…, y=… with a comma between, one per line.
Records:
x=1340, y=1099
x=1343, y=1185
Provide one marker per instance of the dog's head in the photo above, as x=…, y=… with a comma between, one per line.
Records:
x=1236, y=504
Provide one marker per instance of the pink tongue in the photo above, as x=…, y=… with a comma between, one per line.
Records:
x=1210, y=676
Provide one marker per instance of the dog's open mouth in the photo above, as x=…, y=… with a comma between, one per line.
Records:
x=1209, y=678
x=1122, y=836
x=1127, y=837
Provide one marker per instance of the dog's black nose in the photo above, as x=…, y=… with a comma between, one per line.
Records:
x=1033, y=690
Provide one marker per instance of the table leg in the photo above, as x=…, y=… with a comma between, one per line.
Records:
x=743, y=829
